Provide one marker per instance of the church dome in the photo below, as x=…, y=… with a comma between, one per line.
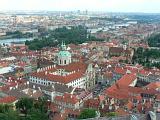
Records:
x=64, y=54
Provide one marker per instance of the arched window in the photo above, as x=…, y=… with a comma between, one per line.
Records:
x=65, y=62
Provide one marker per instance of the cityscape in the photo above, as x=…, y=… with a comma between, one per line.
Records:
x=83, y=63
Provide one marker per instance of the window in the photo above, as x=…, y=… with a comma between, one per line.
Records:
x=65, y=62
x=60, y=62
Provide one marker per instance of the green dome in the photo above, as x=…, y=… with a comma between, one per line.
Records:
x=64, y=54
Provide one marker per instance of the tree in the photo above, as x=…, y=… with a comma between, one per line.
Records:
x=87, y=113
x=144, y=57
x=4, y=108
x=36, y=114
x=12, y=115
x=154, y=40
x=75, y=35
x=6, y=113
x=32, y=110
x=24, y=105
x=18, y=34
x=41, y=104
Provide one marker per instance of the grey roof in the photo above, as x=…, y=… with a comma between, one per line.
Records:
x=2, y=94
x=16, y=93
x=61, y=88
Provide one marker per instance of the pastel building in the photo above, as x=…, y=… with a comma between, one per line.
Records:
x=75, y=74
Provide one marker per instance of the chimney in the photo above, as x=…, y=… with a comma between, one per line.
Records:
x=27, y=82
x=46, y=73
x=10, y=88
x=39, y=88
x=17, y=86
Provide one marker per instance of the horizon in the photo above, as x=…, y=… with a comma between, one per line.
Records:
x=111, y=6
x=34, y=11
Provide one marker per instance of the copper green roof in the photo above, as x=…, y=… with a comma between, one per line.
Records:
x=64, y=54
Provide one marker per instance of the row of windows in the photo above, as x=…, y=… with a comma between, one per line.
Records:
x=40, y=82
x=37, y=79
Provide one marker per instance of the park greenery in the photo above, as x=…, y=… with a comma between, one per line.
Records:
x=38, y=44
x=26, y=109
x=87, y=113
x=147, y=57
x=154, y=40
x=18, y=34
x=74, y=35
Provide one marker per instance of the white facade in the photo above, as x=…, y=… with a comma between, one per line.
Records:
x=85, y=81
x=79, y=83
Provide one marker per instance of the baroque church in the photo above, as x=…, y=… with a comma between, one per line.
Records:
x=65, y=71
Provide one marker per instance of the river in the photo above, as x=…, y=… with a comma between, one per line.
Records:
x=9, y=41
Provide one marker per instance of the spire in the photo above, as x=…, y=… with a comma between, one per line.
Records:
x=63, y=46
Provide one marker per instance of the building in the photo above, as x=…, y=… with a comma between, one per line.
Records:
x=121, y=51
x=65, y=71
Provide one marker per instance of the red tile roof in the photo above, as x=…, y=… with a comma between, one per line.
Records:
x=126, y=80
x=8, y=99
x=121, y=112
x=78, y=67
x=67, y=98
x=122, y=90
x=153, y=85
x=144, y=72
x=120, y=70
x=92, y=103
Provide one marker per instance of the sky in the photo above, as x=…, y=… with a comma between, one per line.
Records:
x=145, y=6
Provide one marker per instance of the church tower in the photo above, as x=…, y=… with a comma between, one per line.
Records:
x=64, y=56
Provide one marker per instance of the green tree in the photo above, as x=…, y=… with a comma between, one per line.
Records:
x=41, y=104
x=154, y=40
x=87, y=113
x=6, y=113
x=74, y=35
x=24, y=105
x=4, y=108
x=36, y=114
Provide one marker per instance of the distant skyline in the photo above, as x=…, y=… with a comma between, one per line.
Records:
x=145, y=6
